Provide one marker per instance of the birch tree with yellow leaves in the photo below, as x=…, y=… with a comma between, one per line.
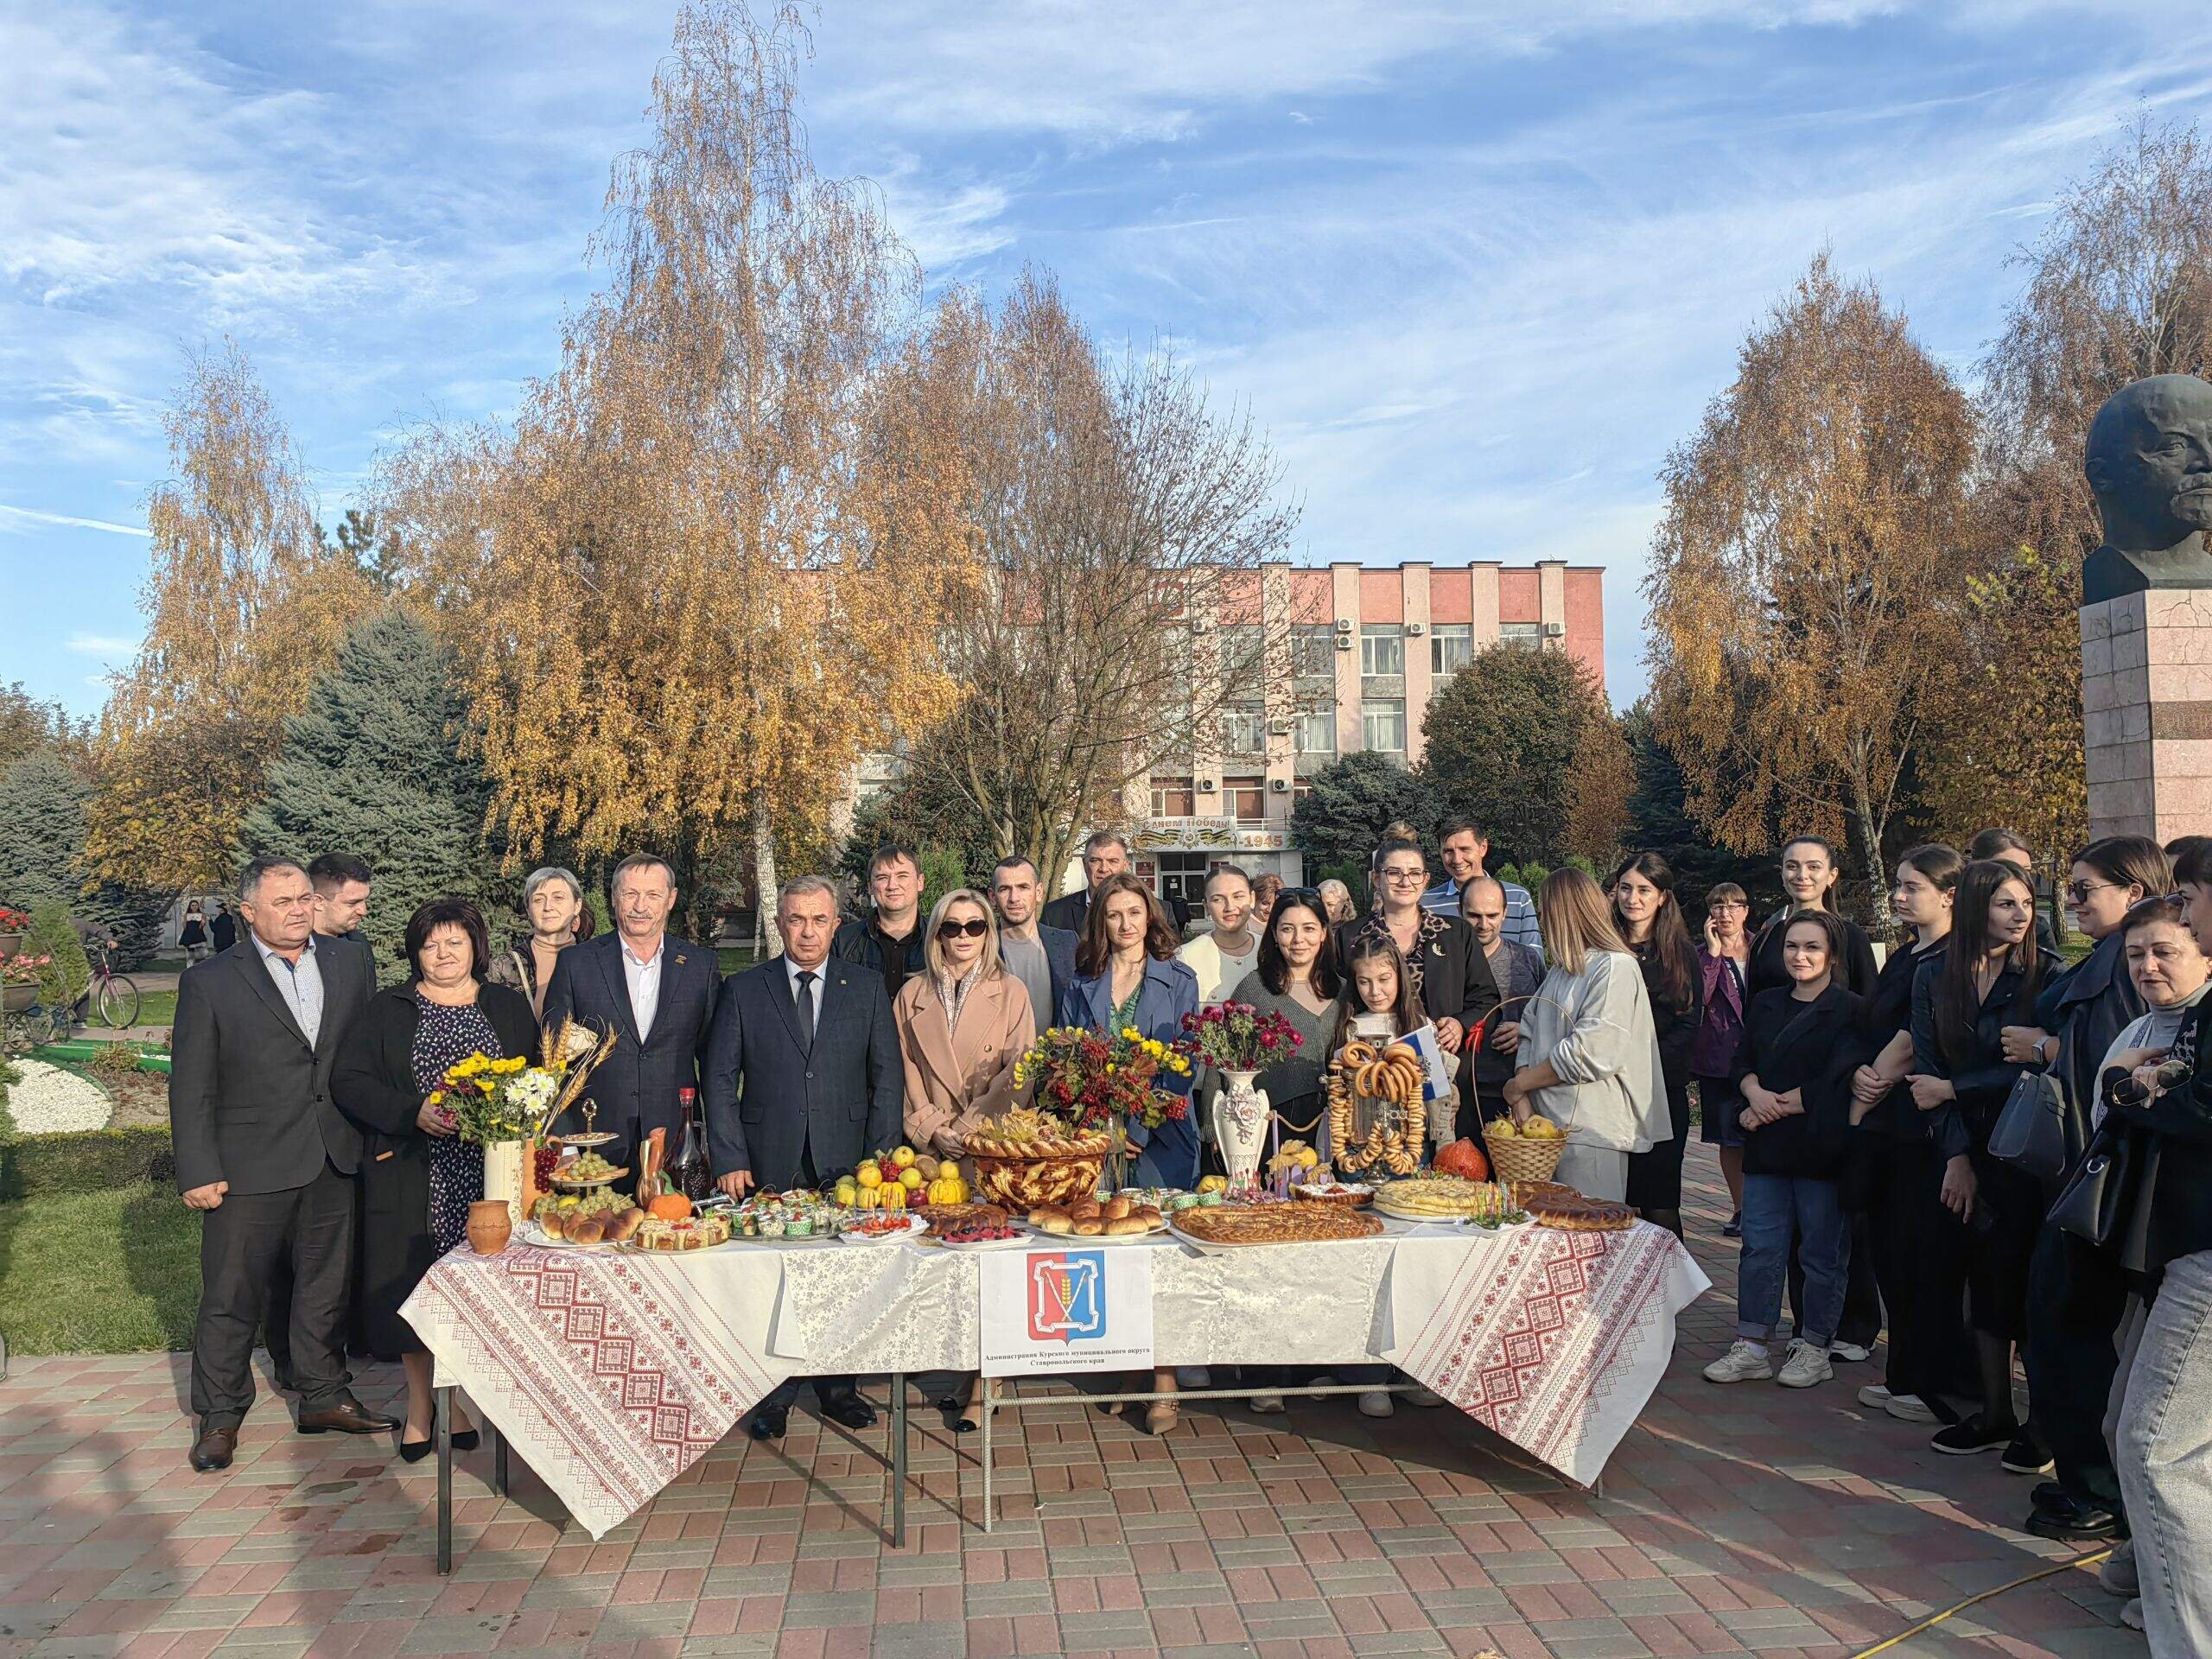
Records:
x=1804, y=576
x=245, y=605
x=701, y=574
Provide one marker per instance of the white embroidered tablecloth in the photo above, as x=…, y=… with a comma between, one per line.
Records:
x=610, y=1373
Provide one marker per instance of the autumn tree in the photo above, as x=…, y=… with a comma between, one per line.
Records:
x=1119, y=610
x=2120, y=287
x=1523, y=741
x=244, y=606
x=701, y=573
x=1800, y=576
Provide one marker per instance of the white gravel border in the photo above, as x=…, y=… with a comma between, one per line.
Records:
x=51, y=1101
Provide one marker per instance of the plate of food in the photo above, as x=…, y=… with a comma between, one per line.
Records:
x=1236, y=1227
x=688, y=1235
x=1355, y=1193
x=797, y=1216
x=560, y=1225
x=1118, y=1220
x=1448, y=1199
x=882, y=1228
x=943, y=1217
x=999, y=1235
x=587, y=1170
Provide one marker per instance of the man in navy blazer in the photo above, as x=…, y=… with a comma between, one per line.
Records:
x=804, y=1081
x=656, y=993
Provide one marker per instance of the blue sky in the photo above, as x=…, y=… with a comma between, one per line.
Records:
x=1474, y=267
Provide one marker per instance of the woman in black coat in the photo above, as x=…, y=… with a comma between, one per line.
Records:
x=417, y=1180
x=1650, y=920
x=1810, y=875
x=1446, y=966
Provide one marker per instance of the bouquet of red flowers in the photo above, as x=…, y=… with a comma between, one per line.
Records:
x=1236, y=1037
x=1092, y=1081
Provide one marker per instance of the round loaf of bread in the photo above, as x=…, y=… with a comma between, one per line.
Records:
x=1090, y=1227
x=1115, y=1209
x=1085, y=1210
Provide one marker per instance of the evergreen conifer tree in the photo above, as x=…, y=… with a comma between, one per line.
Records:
x=371, y=767
x=43, y=796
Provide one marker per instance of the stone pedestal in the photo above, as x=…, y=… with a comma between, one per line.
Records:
x=2146, y=707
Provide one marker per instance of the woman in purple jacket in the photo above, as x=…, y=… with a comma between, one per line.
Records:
x=1720, y=1033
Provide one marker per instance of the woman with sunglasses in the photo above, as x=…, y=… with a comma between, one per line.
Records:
x=962, y=1022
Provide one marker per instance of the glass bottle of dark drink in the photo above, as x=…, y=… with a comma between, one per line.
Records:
x=689, y=1174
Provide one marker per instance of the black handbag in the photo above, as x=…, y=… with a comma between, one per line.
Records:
x=2095, y=1202
x=2030, y=1132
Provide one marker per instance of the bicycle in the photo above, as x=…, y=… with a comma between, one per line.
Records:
x=114, y=997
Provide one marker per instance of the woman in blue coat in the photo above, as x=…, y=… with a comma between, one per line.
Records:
x=1126, y=975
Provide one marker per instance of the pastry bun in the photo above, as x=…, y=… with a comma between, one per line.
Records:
x=1127, y=1227
x=1090, y=1227
x=590, y=1230
x=1115, y=1209
x=622, y=1226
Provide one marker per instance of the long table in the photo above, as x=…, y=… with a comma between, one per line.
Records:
x=610, y=1372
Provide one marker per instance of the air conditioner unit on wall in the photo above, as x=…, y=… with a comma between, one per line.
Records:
x=1205, y=785
x=1278, y=785
x=1416, y=629
x=1554, y=630
x=1345, y=625
x=1199, y=625
x=1344, y=642
x=1280, y=728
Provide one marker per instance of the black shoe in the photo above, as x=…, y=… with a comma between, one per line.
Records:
x=1733, y=1227
x=2050, y=1494
x=767, y=1423
x=2025, y=1455
x=1972, y=1435
x=416, y=1451
x=214, y=1448
x=2073, y=1519
x=850, y=1409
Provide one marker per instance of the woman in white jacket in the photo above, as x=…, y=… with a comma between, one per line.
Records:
x=1589, y=1055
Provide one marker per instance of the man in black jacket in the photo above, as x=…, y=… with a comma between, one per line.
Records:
x=1107, y=853
x=267, y=1158
x=655, y=992
x=889, y=938
x=804, y=1080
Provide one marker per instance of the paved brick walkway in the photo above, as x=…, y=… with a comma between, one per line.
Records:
x=1745, y=1519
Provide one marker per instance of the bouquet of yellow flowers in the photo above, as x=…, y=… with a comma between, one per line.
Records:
x=1092, y=1081
x=490, y=1101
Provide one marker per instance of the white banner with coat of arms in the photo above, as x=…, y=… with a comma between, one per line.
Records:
x=1065, y=1309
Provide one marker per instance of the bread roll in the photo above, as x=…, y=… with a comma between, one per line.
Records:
x=1150, y=1216
x=1090, y=1227
x=1058, y=1224
x=1085, y=1210
x=590, y=1230
x=1115, y=1209
x=1127, y=1227
x=554, y=1223
x=625, y=1225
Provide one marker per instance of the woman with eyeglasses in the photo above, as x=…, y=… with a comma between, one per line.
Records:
x=1445, y=965
x=2076, y=1296
x=1722, y=965
x=962, y=1023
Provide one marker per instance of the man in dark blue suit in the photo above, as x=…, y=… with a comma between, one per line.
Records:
x=804, y=1081
x=658, y=995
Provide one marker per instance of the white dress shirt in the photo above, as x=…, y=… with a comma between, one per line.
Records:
x=643, y=975
x=299, y=983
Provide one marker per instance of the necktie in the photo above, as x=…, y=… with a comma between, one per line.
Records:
x=802, y=1000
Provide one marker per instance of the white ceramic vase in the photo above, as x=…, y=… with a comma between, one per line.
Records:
x=1240, y=1125
x=503, y=1175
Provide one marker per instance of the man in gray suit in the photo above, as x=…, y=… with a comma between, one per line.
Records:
x=804, y=1080
x=265, y=1156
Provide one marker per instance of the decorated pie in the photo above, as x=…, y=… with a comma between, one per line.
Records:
x=1576, y=1214
x=1280, y=1223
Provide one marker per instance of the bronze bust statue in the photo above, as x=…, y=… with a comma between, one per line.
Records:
x=2149, y=463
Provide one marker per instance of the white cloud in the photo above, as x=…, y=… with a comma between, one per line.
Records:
x=17, y=519
x=102, y=644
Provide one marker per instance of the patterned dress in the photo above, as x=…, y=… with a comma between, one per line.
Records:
x=444, y=1037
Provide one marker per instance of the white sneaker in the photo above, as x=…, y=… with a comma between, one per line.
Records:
x=1427, y=1397
x=2117, y=1573
x=1910, y=1409
x=1850, y=1352
x=1876, y=1397
x=2131, y=1615
x=1374, y=1403
x=1270, y=1402
x=1747, y=1362
x=1193, y=1377
x=1804, y=1366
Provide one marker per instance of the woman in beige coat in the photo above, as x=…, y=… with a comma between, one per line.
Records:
x=962, y=1022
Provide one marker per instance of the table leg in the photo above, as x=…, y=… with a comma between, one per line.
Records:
x=989, y=1386
x=498, y=1458
x=444, y=1407
x=898, y=1459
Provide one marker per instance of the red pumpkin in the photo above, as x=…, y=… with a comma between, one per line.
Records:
x=1464, y=1159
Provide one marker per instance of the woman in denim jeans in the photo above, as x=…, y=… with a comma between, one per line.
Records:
x=1802, y=1043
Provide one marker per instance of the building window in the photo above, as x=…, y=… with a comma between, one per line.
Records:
x=1244, y=731
x=1183, y=875
x=1316, y=732
x=1383, y=725
x=1451, y=648
x=1381, y=650
x=1313, y=649
x=1243, y=655
x=1173, y=797
x=1245, y=799
x=1520, y=633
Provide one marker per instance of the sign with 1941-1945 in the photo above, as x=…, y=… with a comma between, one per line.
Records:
x=1065, y=1308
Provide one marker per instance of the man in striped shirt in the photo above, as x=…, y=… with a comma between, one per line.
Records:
x=1463, y=849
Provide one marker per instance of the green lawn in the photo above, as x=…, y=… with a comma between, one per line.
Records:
x=158, y=1008
x=115, y=1271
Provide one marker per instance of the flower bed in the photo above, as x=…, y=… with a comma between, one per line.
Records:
x=48, y=1100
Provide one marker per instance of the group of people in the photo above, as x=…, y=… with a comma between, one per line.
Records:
x=1989, y=1153
x=1854, y=1102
